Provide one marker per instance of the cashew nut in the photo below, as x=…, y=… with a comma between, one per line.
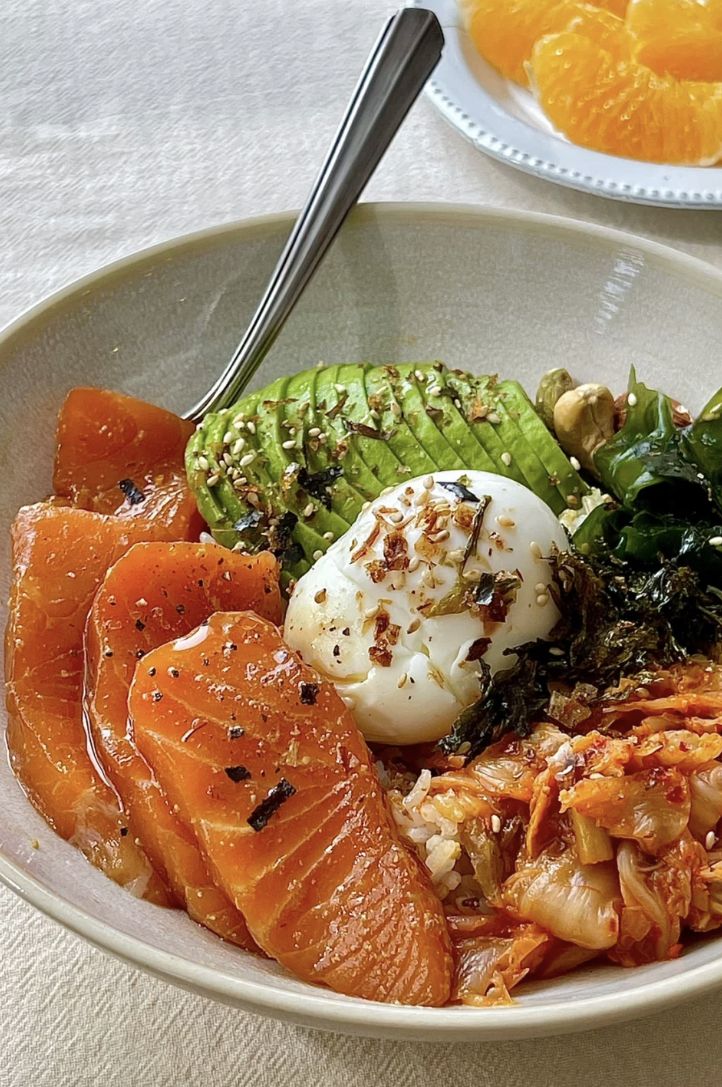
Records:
x=584, y=420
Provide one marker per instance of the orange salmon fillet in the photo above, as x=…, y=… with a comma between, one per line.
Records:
x=266, y=765
x=155, y=592
x=121, y=456
x=60, y=555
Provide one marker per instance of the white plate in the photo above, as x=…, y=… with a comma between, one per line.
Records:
x=503, y=120
x=486, y=290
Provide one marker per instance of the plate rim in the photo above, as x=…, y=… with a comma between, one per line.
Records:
x=485, y=135
x=312, y=1008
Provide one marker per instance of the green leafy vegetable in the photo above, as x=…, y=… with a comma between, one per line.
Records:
x=646, y=462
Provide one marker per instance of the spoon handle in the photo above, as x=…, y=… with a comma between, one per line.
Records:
x=402, y=60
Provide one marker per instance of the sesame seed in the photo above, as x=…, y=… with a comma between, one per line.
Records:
x=253, y=498
x=317, y=555
x=365, y=506
x=710, y=840
x=322, y=439
x=434, y=390
x=632, y=400
x=320, y=596
x=396, y=518
x=506, y=459
x=314, y=431
x=542, y=599
x=246, y=459
x=715, y=541
x=251, y=427
x=328, y=536
x=309, y=510
x=288, y=444
x=228, y=460
x=494, y=417
x=495, y=824
x=574, y=463
x=372, y=612
x=212, y=480
x=395, y=409
x=228, y=437
x=340, y=389
x=506, y=522
x=239, y=421
x=555, y=651
x=414, y=564
x=420, y=375
x=573, y=502
x=413, y=626
x=238, y=446
x=428, y=482
x=440, y=536
x=403, y=678
x=456, y=555
x=203, y=463
x=238, y=546
x=540, y=587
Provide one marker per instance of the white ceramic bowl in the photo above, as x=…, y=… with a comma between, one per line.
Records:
x=487, y=290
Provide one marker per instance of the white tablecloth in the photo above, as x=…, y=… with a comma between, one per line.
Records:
x=124, y=122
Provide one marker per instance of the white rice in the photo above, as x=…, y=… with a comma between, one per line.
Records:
x=432, y=824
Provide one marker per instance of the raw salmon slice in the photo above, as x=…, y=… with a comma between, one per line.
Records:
x=60, y=555
x=266, y=765
x=155, y=592
x=121, y=456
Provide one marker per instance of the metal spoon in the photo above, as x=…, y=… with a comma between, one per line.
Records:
x=399, y=65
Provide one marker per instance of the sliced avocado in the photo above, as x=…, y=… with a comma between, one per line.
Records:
x=407, y=388
x=441, y=406
x=276, y=427
x=569, y=482
x=336, y=405
x=411, y=456
x=265, y=471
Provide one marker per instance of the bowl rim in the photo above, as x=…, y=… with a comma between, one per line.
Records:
x=312, y=1007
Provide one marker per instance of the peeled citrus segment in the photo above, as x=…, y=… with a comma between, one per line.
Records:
x=623, y=108
x=505, y=31
x=682, y=38
x=607, y=30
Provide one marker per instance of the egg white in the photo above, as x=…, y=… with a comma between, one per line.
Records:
x=423, y=680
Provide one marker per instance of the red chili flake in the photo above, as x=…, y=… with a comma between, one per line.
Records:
x=396, y=551
x=381, y=654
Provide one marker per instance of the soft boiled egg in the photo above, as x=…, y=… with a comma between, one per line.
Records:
x=435, y=575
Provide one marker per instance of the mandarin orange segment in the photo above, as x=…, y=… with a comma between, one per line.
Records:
x=505, y=31
x=622, y=108
x=682, y=38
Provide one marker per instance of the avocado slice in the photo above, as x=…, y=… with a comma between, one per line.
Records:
x=399, y=438
x=290, y=466
x=441, y=406
x=336, y=406
x=407, y=383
